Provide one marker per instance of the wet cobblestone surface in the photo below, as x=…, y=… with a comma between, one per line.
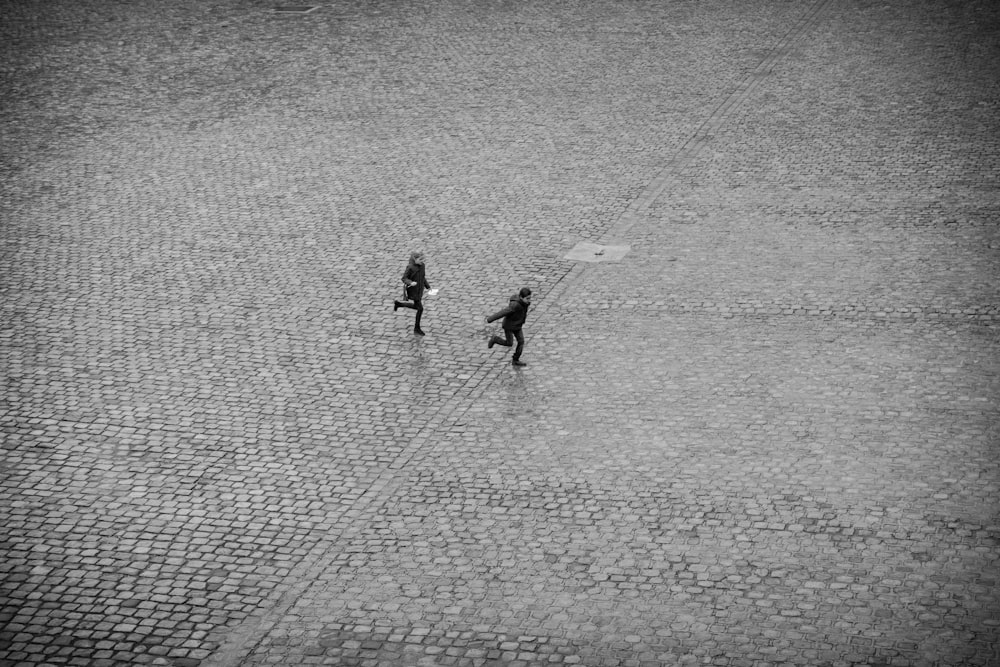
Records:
x=768, y=435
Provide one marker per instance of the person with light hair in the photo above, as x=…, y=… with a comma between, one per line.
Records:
x=414, y=283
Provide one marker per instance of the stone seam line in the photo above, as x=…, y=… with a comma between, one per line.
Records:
x=243, y=639
x=690, y=149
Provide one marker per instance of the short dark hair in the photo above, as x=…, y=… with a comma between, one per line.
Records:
x=525, y=291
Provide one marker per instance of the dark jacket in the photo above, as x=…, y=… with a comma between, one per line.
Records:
x=513, y=315
x=415, y=273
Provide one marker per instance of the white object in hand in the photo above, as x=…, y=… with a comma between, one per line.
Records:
x=432, y=292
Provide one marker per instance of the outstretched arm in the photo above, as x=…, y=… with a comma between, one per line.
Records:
x=503, y=313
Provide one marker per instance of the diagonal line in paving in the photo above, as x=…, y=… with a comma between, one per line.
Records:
x=241, y=641
x=696, y=142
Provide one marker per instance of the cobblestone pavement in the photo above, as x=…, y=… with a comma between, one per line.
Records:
x=767, y=436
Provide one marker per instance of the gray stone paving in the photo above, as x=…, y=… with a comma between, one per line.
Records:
x=767, y=435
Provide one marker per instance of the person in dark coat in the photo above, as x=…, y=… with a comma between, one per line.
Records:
x=414, y=282
x=513, y=319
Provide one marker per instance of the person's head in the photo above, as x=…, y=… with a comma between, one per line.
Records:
x=416, y=257
x=525, y=294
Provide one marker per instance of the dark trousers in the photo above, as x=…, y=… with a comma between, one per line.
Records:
x=509, y=340
x=417, y=305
